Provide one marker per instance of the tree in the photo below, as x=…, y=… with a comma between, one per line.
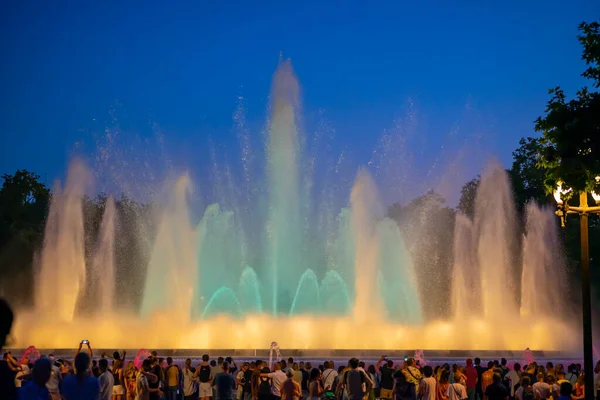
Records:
x=571, y=129
x=23, y=206
x=466, y=203
x=571, y=142
x=527, y=178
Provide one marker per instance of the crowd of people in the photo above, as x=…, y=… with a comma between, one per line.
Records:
x=157, y=378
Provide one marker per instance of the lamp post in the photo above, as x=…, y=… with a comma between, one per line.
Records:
x=584, y=211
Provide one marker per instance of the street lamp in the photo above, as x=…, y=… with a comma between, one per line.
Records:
x=584, y=211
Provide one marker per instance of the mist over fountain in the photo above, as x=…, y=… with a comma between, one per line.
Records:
x=229, y=282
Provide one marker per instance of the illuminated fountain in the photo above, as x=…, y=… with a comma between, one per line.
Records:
x=225, y=282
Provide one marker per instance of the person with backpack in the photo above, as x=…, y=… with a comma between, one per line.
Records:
x=329, y=375
x=277, y=378
x=386, y=372
x=457, y=391
x=525, y=392
x=204, y=374
x=264, y=384
x=403, y=390
x=356, y=381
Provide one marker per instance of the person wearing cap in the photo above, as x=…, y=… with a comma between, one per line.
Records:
x=290, y=389
x=472, y=378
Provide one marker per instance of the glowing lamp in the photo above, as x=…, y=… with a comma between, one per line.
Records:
x=557, y=195
x=595, y=194
x=559, y=192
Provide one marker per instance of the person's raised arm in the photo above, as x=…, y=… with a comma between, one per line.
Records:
x=90, y=352
x=153, y=378
x=87, y=343
x=368, y=381
x=13, y=361
x=78, y=350
x=378, y=365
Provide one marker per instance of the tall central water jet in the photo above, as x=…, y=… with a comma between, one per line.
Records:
x=495, y=218
x=366, y=210
x=284, y=225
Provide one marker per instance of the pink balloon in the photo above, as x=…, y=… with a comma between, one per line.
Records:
x=141, y=355
x=32, y=353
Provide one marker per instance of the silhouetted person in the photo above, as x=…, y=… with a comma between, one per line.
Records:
x=225, y=383
x=36, y=388
x=496, y=390
x=6, y=321
x=82, y=385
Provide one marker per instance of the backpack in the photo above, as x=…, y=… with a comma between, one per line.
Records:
x=352, y=386
x=334, y=385
x=528, y=394
x=264, y=388
x=204, y=374
x=404, y=389
x=248, y=383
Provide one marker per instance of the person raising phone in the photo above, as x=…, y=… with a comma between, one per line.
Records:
x=89, y=348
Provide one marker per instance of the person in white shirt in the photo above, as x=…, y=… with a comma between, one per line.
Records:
x=456, y=391
x=329, y=375
x=427, y=389
x=106, y=380
x=513, y=377
x=23, y=372
x=53, y=383
x=540, y=388
x=190, y=379
x=277, y=377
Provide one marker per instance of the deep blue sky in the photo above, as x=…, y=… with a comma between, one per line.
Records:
x=182, y=65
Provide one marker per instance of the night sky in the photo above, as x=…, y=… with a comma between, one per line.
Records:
x=72, y=69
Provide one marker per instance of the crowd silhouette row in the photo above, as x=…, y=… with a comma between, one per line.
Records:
x=156, y=378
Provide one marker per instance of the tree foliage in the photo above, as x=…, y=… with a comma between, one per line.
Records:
x=466, y=203
x=526, y=176
x=23, y=204
x=571, y=128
